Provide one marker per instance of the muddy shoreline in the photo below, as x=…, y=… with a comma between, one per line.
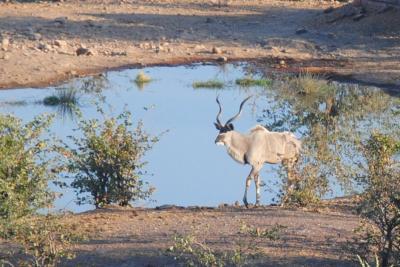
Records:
x=40, y=42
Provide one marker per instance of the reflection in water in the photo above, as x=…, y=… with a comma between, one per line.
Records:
x=186, y=166
x=334, y=120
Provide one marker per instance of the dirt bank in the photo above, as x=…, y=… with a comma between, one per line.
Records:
x=141, y=237
x=40, y=41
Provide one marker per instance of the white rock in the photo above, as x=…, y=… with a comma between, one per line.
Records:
x=60, y=43
x=5, y=44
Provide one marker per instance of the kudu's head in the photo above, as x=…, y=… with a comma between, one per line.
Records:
x=225, y=130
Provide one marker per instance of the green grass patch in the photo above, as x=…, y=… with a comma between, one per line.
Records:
x=213, y=84
x=248, y=81
x=310, y=84
x=142, y=79
x=62, y=97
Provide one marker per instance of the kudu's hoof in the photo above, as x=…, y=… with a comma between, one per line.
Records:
x=246, y=203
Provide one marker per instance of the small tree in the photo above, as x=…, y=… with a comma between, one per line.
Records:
x=24, y=168
x=107, y=160
x=381, y=200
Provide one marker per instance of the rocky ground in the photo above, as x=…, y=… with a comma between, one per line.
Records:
x=48, y=42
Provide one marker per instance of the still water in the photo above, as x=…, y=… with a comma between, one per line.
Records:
x=185, y=166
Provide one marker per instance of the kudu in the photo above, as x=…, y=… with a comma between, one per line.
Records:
x=256, y=148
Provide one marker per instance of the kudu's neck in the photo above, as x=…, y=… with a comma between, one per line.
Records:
x=236, y=146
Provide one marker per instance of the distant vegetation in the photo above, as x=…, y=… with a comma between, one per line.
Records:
x=213, y=84
x=308, y=83
x=248, y=81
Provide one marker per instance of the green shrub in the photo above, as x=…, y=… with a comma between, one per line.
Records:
x=24, y=169
x=380, y=202
x=107, y=161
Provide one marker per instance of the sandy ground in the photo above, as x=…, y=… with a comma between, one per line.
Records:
x=39, y=41
x=141, y=237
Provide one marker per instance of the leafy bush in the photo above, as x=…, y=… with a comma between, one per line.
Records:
x=25, y=171
x=380, y=203
x=24, y=168
x=107, y=161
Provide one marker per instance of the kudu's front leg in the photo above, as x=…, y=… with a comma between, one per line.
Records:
x=248, y=181
x=253, y=174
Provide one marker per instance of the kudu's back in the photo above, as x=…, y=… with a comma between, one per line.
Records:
x=272, y=147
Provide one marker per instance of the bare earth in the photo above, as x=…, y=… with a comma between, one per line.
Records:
x=144, y=32
x=128, y=237
x=141, y=237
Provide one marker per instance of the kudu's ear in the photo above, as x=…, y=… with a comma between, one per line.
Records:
x=230, y=126
x=217, y=126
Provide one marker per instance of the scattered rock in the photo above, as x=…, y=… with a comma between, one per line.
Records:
x=282, y=62
x=209, y=20
x=331, y=35
x=90, y=23
x=223, y=205
x=216, y=50
x=168, y=207
x=60, y=43
x=118, y=53
x=329, y=10
x=83, y=51
x=159, y=49
x=72, y=73
x=5, y=44
x=32, y=35
x=385, y=9
x=359, y=17
x=222, y=59
x=44, y=47
x=61, y=20
x=5, y=57
x=199, y=47
x=301, y=31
